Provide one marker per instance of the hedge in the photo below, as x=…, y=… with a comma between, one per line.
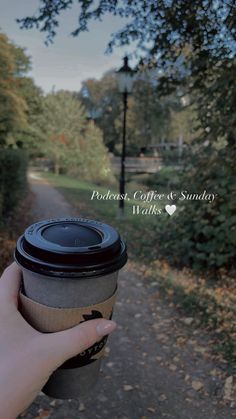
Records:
x=13, y=181
x=202, y=235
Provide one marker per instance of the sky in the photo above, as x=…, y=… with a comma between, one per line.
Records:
x=68, y=61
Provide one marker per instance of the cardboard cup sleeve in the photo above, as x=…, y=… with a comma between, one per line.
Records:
x=52, y=319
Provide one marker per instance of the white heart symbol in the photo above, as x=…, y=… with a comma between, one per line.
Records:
x=170, y=209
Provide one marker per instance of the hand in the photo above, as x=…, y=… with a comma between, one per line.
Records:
x=28, y=357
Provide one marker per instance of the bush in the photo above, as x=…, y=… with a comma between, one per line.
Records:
x=168, y=178
x=202, y=235
x=13, y=169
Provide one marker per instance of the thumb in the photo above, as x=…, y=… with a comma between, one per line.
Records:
x=61, y=346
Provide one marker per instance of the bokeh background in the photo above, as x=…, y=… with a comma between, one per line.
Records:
x=61, y=125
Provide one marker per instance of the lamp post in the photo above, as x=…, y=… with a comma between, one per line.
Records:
x=125, y=79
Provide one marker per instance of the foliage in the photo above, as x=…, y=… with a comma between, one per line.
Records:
x=207, y=230
x=149, y=118
x=12, y=227
x=74, y=144
x=96, y=164
x=12, y=105
x=13, y=167
x=193, y=46
x=103, y=104
x=150, y=24
x=166, y=179
x=31, y=136
x=20, y=98
x=213, y=305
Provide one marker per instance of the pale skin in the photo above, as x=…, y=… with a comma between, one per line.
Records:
x=28, y=357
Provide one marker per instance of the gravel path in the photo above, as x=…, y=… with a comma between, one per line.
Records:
x=157, y=364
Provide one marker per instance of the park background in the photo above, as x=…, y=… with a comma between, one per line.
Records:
x=181, y=129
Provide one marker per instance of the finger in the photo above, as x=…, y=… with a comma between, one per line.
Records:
x=10, y=284
x=68, y=343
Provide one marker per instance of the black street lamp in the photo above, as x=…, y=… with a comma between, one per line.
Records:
x=125, y=79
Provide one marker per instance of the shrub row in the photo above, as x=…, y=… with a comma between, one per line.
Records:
x=201, y=234
x=13, y=170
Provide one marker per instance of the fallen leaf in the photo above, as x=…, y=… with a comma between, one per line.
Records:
x=81, y=407
x=107, y=350
x=197, y=385
x=192, y=342
x=228, y=388
x=162, y=398
x=43, y=414
x=156, y=326
x=151, y=409
x=188, y=321
x=110, y=364
x=161, y=337
x=200, y=349
x=214, y=372
x=128, y=387
x=181, y=340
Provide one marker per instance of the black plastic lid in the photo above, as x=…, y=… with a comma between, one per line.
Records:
x=71, y=247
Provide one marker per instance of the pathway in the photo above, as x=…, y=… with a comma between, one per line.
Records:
x=157, y=365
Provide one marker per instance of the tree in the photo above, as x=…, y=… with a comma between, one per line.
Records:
x=73, y=144
x=147, y=118
x=20, y=98
x=61, y=125
x=30, y=135
x=103, y=104
x=12, y=105
x=157, y=26
x=186, y=41
x=96, y=163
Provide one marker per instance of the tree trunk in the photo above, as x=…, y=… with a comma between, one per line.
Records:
x=56, y=168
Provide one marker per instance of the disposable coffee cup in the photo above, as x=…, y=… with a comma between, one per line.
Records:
x=70, y=269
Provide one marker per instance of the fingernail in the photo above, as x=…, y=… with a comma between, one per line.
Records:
x=104, y=328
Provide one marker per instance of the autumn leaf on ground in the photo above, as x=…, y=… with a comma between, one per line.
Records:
x=228, y=388
x=162, y=398
x=172, y=367
x=81, y=407
x=43, y=414
x=197, y=385
x=128, y=387
x=151, y=409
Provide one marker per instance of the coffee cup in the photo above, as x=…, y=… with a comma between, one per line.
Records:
x=69, y=275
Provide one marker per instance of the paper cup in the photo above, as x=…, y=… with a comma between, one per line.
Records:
x=70, y=269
